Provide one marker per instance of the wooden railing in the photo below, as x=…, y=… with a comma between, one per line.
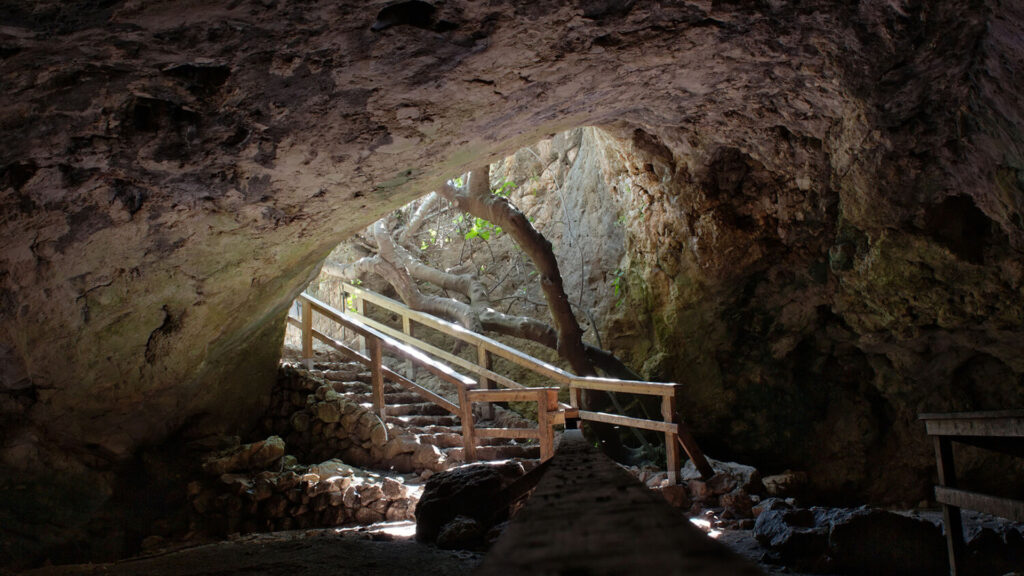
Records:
x=377, y=337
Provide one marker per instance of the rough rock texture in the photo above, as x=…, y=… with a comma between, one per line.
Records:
x=872, y=541
x=833, y=189
x=470, y=492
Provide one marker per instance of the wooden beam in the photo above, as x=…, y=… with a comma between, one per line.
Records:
x=1003, y=507
x=689, y=444
x=956, y=426
x=657, y=426
x=627, y=386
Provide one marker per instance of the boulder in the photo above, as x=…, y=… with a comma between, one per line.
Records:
x=850, y=541
x=728, y=475
x=470, y=491
x=873, y=541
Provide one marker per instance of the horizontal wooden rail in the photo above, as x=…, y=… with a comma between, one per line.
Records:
x=626, y=386
x=555, y=373
x=389, y=373
x=642, y=423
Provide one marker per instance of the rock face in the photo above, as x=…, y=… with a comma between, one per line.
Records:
x=824, y=208
x=459, y=505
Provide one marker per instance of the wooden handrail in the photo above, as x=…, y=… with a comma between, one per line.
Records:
x=379, y=336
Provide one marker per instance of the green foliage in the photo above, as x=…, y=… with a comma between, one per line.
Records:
x=483, y=229
x=505, y=189
x=350, y=303
x=427, y=243
x=617, y=286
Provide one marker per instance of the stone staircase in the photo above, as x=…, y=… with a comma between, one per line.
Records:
x=430, y=424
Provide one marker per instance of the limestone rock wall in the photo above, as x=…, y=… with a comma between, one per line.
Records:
x=171, y=176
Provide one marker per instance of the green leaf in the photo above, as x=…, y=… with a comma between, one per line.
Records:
x=472, y=233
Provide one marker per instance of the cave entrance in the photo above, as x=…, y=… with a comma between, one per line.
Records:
x=439, y=255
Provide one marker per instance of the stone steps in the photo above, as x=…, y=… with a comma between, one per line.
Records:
x=427, y=422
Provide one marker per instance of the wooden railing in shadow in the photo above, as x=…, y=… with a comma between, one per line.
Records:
x=377, y=337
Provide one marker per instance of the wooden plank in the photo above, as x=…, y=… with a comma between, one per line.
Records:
x=1000, y=427
x=525, y=395
x=655, y=425
x=972, y=415
x=377, y=376
x=518, y=433
x=668, y=414
x=1003, y=507
x=627, y=386
x=589, y=516
x=389, y=374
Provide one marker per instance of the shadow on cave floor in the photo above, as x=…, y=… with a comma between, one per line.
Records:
x=368, y=552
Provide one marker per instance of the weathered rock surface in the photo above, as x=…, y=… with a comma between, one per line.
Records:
x=824, y=209
x=468, y=492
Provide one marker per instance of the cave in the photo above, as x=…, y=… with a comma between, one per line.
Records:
x=821, y=230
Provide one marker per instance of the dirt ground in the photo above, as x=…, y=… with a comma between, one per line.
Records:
x=294, y=553
x=326, y=551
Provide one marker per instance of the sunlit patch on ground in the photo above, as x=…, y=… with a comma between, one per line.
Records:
x=705, y=525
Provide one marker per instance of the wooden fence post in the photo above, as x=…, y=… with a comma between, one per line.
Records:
x=668, y=413
x=547, y=400
x=466, y=415
x=376, y=367
x=483, y=359
x=307, y=333
x=357, y=301
x=410, y=368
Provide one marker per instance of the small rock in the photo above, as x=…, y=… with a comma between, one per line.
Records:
x=462, y=532
x=784, y=484
x=246, y=457
x=738, y=503
x=676, y=496
x=700, y=491
x=427, y=456
x=370, y=493
x=393, y=489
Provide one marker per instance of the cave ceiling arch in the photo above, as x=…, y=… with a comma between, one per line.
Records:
x=174, y=173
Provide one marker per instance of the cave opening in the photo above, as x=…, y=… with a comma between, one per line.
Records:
x=811, y=221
